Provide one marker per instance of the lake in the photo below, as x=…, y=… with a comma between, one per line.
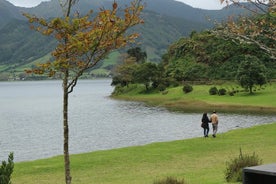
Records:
x=31, y=120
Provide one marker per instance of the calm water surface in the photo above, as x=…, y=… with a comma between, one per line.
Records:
x=31, y=120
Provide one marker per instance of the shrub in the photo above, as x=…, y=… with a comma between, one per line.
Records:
x=118, y=90
x=234, y=168
x=222, y=91
x=161, y=87
x=170, y=180
x=213, y=91
x=187, y=88
x=231, y=93
x=6, y=170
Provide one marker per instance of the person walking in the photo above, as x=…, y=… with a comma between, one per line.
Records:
x=205, y=124
x=214, y=121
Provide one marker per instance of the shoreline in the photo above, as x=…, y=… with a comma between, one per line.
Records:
x=197, y=106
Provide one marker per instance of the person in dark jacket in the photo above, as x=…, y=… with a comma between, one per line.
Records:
x=205, y=124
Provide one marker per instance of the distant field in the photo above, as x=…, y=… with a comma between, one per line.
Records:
x=198, y=160
x=111, y=60
x=262, y=101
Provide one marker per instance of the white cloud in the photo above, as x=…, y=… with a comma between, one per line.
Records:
x=26, y=3
x=204, y=4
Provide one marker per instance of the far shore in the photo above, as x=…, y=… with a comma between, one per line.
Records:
x=261, y=102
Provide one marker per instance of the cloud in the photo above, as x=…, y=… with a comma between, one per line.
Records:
x=204, y=4
x=26, y=3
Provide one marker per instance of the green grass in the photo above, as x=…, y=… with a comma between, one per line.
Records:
x=198, y=160
x=199, y=99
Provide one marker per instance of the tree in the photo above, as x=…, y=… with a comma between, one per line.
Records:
x=138, y=54
x=146, y=73
x=83, y=41
x=259, y=29
x=251, y=72
x=6, y=170
x=123, y=73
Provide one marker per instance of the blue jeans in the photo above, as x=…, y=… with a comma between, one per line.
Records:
x=206, y=132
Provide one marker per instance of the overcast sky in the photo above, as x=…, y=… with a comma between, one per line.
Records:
x=204, y=4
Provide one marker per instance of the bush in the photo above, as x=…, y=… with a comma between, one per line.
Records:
x=222, y=91
x=232, y=93
x=169, y=180
x=6, y=170
x=234, y=168
x=161, y=87
x=187, y=88
x=213, y=91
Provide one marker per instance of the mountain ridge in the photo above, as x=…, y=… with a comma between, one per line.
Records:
x=165, y=22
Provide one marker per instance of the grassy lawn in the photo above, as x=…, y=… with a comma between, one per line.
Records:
x=198, y=160
x=199, y=99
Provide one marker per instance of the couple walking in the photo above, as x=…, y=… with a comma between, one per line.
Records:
x=205, y=123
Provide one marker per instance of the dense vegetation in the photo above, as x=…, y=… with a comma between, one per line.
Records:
x=202, y=57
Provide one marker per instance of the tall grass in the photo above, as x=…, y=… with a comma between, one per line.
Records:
x=197, y=161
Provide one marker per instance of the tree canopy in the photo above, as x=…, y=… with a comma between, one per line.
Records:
x=251, y=72
x=259, y=29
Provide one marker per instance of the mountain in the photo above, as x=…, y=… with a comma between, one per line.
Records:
x=8, y=12
x=169, y=8
x=21, y=45
x=165, y=22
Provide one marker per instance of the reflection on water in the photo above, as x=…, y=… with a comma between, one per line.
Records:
x=31, y=120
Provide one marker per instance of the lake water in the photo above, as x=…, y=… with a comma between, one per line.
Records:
x=31, y=120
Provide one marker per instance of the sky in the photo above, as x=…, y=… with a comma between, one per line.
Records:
x=204, y=4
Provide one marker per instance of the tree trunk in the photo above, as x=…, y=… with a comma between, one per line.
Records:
x=66, y=130
x=250, y=89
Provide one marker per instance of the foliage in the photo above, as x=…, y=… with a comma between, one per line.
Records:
x=146, y=73
x=213, y=91
x=91, y=39
x=134, y=69
x=259, y=29
x=123, y=72
x=6, y=170
x=119, y=90
x=251, y=72
x=205, y=56
x=222, y=91
x=169, y=180
x=234, y=167
x=187, y=88
x=138, y=54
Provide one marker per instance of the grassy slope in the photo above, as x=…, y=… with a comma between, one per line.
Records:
x=198, y=160
x=199, y=100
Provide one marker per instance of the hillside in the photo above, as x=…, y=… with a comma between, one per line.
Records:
x=8, y=12
x=165, y=22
